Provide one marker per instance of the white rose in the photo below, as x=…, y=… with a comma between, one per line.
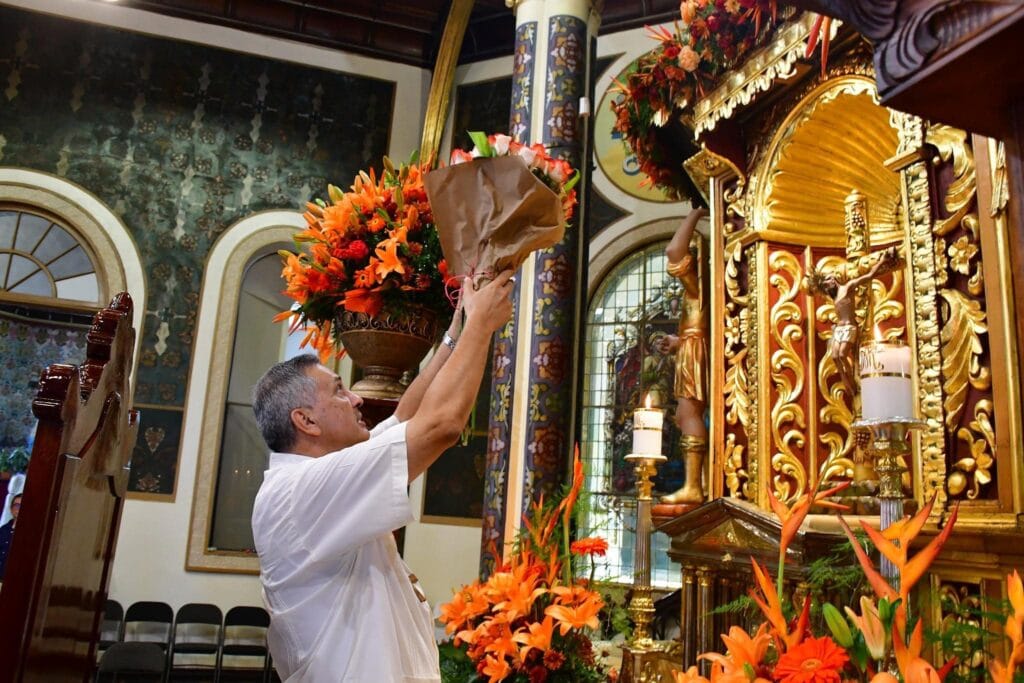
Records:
x=500, y=144
x=555, y=171
x=474, y=152
x=528, y=155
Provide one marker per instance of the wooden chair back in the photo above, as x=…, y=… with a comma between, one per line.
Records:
x=55, y=588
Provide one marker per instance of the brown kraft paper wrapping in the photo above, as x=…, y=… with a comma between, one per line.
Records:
x=491, y=213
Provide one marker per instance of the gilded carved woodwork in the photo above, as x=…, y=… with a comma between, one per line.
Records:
x=925, y=323
x=788, y=376
x=961, y=609
x=757, y=74
x=738, y=393
x=798, y=195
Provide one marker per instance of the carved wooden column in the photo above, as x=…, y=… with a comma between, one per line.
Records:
x=531, y=431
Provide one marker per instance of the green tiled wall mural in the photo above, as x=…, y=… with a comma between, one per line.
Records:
x=180, y=141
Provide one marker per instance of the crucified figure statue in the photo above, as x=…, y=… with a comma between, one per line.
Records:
x=845, y=341
x=690, y=347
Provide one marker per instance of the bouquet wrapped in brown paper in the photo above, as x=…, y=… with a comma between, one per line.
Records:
x=496, y=205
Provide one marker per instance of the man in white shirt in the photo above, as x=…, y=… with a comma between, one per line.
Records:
x=343, y=604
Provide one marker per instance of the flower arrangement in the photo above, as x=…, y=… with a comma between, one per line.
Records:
x=370, y=249
x=528, y=621
x=557, y=174
x=687, y=62
x=870, y=646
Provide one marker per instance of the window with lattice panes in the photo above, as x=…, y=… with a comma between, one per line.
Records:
x=41, y=259
x=635, y=304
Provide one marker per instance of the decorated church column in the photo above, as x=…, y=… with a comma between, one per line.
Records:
x=533, y=390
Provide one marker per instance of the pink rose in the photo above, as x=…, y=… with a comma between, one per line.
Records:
x=689, y=59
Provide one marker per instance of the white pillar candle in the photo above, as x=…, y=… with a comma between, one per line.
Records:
x=886, y=388
x=647, y=431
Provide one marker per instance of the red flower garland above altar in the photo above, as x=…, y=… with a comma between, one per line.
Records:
x=372, y=248
x=655, y=97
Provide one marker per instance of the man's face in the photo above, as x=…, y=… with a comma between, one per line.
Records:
x=336, y=411
x=15, y=506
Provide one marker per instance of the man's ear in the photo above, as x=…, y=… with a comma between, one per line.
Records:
x=304, y=422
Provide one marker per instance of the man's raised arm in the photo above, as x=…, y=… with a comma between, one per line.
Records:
x=449, y=397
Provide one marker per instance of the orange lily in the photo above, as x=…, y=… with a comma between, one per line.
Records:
x=746, y=649
x=538, y=636
x=497, y=668
x=869, y=623
x=582, y=615
x=363, y=301
x=387, y=252
x=691, y=675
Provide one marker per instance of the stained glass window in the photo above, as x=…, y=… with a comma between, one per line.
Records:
x=635, y=304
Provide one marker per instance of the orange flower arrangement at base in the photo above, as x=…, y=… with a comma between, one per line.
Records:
x=528, y=621
x=859, y=647
x=370, y=249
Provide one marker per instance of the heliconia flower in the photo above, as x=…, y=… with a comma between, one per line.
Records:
x=870, y=625
x=793, y=517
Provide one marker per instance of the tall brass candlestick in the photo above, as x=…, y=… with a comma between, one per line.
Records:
x=641, y=606
x=647, y=424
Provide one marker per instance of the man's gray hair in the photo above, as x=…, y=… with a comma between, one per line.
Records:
x=283, y=388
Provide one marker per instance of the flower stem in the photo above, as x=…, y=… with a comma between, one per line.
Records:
x=778, y=580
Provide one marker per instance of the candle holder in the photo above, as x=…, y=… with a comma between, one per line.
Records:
x=889, y=445
x=641, y=606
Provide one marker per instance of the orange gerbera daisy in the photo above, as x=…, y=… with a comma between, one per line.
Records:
x=815, y=660
x=589, y=546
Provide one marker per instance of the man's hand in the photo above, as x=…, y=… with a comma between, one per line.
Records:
x=490, y=305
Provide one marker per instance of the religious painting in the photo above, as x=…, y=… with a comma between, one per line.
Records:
x=453, y=487
x=155, y=456
x=482, y=106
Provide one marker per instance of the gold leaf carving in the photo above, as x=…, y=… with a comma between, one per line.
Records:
x=888, y=305
x=961, y=352
x=1000, y=182
x=975, y=471
x=921, y=256
x=737, y=391
x=787, y=376
x=736, y=477
x=952, y=145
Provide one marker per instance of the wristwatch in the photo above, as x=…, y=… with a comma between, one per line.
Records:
x=448, y=341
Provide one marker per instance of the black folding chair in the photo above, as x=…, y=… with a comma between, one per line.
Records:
x=111, y=628
x=150, y=622
x=245, y=642
x=196, y=640
x=132, y=663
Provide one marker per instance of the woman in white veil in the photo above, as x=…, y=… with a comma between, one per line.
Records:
x=14, y=487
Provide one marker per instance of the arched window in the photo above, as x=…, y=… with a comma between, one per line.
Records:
x=41, y=260
x=241, y=293
x=636, y=302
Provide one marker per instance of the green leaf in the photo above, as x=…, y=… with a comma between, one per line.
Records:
x=571, y=182
x=837, y=624
x=482, y=145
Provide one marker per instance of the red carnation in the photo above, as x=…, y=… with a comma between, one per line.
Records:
x=355, y=251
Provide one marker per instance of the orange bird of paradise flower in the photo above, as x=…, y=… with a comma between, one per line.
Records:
x=893, y=543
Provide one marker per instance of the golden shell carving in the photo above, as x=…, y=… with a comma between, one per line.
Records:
x=800, y=193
